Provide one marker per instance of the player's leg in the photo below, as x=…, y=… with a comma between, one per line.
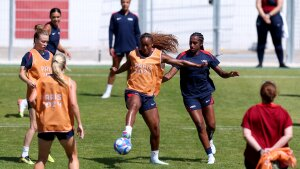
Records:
x=276, y=34
x=262, y=32
x=71, y=151
x=28, y=137
x=44, y=146
x=111, y=77
x=151, y=118
x=68, y=142
x=133, y=104
x=209, y=117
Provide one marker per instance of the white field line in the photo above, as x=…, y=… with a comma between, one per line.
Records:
x=124, y=74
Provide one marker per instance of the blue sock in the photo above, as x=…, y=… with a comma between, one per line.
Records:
x=208, y=151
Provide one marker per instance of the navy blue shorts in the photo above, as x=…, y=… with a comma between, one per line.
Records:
x=197, y=103
x=122, y=54
x=147, y=101
x=49, y=136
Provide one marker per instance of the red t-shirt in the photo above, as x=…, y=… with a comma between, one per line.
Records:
x=267, y=123
x=266, y=6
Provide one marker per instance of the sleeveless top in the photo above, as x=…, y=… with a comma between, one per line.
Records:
x=52, y=108
x=145, y=72
x=40, y=67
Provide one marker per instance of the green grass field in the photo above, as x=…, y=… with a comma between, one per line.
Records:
x=104, y=120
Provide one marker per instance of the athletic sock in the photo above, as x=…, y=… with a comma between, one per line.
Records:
x=208, y=151
x=154, y=155
x=25, y=151
x=108, y=88
x=128, y=129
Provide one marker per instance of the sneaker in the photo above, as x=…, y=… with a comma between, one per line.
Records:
x=212, y=146
x=283, y=66
x=51, y=159
x=105, y=95
x=22, y=107
x=26, y=160
x=157, y=161
x=125, y=134
x=211, y=159
x=259, y=66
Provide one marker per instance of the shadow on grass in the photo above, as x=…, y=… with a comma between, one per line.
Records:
x=15, y=115
x=10, y=159
x=112, y=162
x=96, y=95
x=290, y=95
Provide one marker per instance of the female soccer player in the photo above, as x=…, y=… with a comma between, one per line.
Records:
x=53, y=29
x=196, y=89
x=35, y=64
x=53, y=45
x=266, y=126
x=56, y=106
x=143, y=83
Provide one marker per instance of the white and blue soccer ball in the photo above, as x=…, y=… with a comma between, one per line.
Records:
x=122, y=146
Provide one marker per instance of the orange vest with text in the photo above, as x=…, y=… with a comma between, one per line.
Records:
x=145, y=72
x=40, y=67
x=52, y=105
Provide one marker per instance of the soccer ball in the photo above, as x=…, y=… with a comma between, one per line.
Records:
x=122, y=145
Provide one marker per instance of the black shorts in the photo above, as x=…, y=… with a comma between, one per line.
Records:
x=49, y=136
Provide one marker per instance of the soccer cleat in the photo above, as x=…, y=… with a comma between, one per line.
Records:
x=211, y=159
x=157, y=161
x=105, y=95
x=26, y=160
x=212, y=146
x=22, y=107
x=125, y=134
x=51, y=159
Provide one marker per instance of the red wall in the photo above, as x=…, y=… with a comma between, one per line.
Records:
x=32, y=12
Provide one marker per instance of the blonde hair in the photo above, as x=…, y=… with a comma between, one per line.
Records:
x=58, y=67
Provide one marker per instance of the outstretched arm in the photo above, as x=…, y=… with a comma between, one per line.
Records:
x=123, y=68
x=224, y=74
x=168, y=59
x=170, y=74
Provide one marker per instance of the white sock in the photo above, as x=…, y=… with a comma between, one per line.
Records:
x=25, y=151
x=108, y=88
x=154, y=155
x=24, y=102
x=128, y=129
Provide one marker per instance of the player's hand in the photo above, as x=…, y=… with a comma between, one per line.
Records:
x=112, y=52
x=203, y=64
x=68, y=54
x=113, y=69
x=80, y=131
x=31, y=84
x=234, y=73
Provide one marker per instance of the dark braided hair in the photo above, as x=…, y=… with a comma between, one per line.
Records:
x=164, y=42
x=201, y=38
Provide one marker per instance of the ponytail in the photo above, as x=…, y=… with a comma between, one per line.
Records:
x=164, y=42
x=58, y=67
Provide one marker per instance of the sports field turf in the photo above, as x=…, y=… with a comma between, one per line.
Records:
x=104, y=120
